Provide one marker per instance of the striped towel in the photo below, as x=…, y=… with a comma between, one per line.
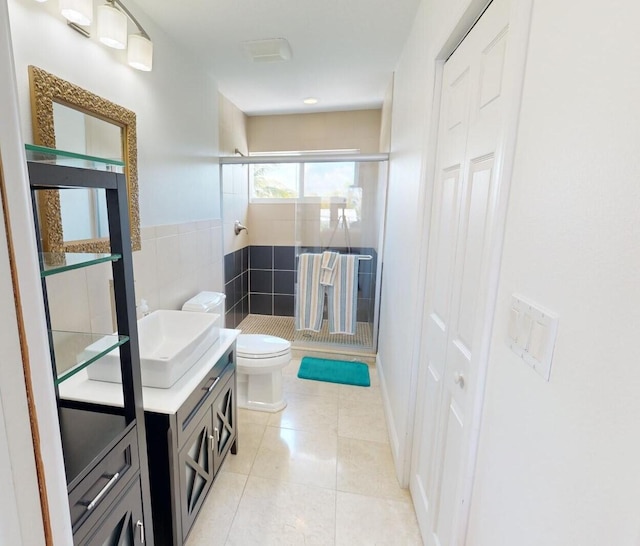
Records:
x=309, y=293
x=328, y=268
x=343, y=296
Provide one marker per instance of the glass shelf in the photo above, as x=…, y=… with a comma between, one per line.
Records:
x=40, y=154
x=59, y=262
x=74, y=351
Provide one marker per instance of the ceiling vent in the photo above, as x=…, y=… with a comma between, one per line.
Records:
x=272, y=50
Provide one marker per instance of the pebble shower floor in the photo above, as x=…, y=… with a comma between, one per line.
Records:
x=284, y=327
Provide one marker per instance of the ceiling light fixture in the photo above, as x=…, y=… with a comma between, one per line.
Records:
x=112, y=26
x=310, y=100
x=140, y=52
x=79, y=12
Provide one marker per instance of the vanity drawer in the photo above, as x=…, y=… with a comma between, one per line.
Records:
x=104, y=483
x=123, y=524
x=200, y=399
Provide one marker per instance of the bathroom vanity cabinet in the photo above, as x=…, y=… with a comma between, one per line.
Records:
x=103, y=445
x=190, y=427
x=188, y=442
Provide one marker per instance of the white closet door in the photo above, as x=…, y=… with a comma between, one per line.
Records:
x=465, y=201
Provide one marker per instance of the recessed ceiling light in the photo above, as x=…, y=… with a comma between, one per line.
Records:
x=310, y=100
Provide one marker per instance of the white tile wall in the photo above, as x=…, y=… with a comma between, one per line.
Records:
x=176, y=261
x=235, y=192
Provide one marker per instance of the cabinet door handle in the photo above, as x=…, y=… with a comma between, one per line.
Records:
x=217, y=434
x=140, y=526
x=106, y=488
x=211, y=444
x=209, y=389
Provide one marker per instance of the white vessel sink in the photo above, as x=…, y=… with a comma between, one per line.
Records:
x=170, y=343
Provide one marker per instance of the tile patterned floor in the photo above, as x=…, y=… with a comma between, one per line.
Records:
x=319, y=472
x=284, y=327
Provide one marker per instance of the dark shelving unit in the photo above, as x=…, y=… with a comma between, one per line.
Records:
x=104, y=448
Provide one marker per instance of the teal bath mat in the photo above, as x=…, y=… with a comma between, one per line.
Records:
x=334, y=371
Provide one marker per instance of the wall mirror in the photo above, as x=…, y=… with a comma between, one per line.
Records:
x=70, y=118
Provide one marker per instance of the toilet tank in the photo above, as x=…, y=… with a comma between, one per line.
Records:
x=207, y=302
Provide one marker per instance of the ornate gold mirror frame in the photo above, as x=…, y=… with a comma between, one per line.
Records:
x=47, y=89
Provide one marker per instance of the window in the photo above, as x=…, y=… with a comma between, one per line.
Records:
x=274, y=180
x=333, y=184
x=295, y=180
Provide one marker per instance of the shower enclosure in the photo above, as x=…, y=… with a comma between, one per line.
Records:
x=305, y=204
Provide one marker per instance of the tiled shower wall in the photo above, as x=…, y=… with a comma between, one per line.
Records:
x=261, y=280
x=236, y=286
x=272, y=280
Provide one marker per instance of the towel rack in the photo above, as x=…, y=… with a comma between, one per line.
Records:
x=365, y=257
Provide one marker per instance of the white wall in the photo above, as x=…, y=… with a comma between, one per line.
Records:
x=559, y=462
x=235, y=182
x=176, y=106
x=562, y=459
x=398, y=311
x=20, y=515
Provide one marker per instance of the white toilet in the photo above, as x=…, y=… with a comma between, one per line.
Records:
x=259, y=358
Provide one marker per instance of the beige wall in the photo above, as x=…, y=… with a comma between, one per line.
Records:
x=235, y=188
x=358, y=129
x=284, y=224
x=299, y=223
x=272, y=224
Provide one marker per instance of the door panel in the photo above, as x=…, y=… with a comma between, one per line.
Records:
x=451, y=454
x=196, y=466
x=448, y=205
x=471, y=119
x=224, y=422
x=473, y=247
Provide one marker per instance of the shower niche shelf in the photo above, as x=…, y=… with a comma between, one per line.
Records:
x=104, y=448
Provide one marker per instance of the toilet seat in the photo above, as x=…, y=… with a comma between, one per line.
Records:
x=261, y=346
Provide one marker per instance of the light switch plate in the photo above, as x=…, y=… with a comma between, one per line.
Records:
x=535, y=330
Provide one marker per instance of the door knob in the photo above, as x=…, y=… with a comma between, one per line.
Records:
x=458, y=378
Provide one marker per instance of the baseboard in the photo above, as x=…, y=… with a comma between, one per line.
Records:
x=397, y=448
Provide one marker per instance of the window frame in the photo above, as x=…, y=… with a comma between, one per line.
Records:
x=300, y=181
